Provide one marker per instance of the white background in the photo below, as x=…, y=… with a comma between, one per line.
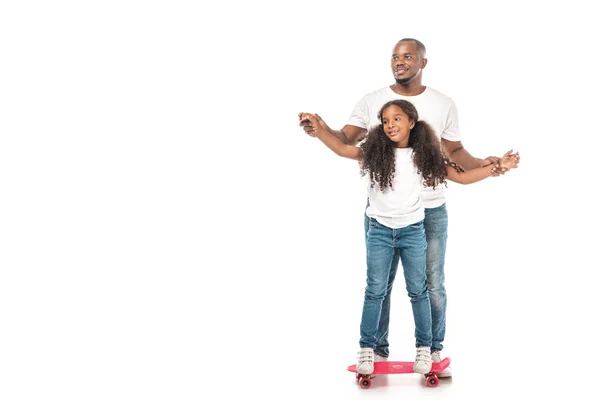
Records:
x=168, y=231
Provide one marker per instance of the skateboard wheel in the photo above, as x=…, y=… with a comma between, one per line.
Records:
x=432, y=380
x=364, y=382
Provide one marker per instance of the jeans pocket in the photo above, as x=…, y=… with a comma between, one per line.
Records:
x=417, y=225
x=373, y=223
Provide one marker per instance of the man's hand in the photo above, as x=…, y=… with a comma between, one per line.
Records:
x=497, y=170
x=509, y=160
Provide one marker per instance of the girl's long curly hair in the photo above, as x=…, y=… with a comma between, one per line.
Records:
x=378, y=156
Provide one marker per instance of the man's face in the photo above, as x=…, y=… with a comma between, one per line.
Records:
x=407, y=62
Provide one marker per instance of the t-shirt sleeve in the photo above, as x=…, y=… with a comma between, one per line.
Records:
x=451, y=131
x=360, y=114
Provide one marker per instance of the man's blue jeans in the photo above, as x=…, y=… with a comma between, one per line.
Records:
x=385, y=248
x=436, y=231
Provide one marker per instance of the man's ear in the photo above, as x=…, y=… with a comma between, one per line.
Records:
x=423, y=63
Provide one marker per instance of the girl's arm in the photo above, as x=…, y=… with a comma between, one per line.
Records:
x=335, y=144
x=508, y=161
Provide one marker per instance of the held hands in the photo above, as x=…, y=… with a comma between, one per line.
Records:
x=312, y=124
x=504, y=164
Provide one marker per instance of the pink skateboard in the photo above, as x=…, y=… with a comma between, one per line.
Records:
x=400, y=367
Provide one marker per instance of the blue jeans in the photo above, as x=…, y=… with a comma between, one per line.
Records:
x=385, y=247
x=436, y=231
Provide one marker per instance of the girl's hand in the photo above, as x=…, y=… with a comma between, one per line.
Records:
x=316, y=123
x=306, y=124
x=495, y=161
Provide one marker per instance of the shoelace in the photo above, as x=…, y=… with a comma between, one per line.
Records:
x=421, y=355
x=364, y=356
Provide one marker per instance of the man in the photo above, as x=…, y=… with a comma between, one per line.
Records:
x=408, y=61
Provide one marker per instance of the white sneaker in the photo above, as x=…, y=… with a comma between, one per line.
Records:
x=364, y=361
x=423, y=360
x=436, y=356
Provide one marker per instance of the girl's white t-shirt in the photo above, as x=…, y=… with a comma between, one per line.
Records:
x=400, y=205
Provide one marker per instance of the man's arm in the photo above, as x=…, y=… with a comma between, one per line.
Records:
x=351, y=134
x=462, y=157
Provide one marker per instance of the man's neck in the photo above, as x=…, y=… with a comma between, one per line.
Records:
x=410, y=89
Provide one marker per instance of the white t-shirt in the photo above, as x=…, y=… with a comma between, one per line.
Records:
x=400, y=205
x=435, y=108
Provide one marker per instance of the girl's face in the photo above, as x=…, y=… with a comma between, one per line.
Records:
x=397, y=125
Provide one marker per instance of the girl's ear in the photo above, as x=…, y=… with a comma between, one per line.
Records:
x=411, y=124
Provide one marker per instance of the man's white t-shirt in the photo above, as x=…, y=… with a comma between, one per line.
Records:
x=435, y=108
x=400, y=205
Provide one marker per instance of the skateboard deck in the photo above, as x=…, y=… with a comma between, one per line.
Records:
x=400, y=367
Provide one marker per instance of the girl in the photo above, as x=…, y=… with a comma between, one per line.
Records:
x=400, y=156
